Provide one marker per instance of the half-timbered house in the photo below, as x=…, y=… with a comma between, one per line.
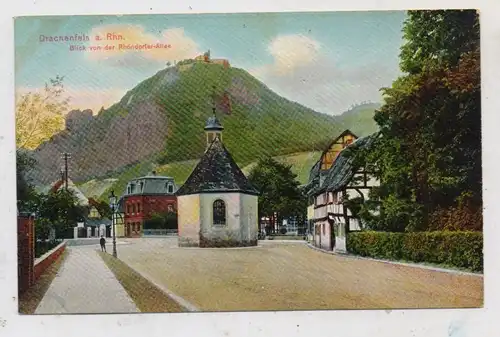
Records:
x=334, y=179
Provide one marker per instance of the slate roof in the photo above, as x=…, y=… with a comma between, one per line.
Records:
x=152, y=185
x=314, y=173
x=342, y=170
x=217, y=172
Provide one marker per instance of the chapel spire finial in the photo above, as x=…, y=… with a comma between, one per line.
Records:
x=213, y=100
x=213, y=127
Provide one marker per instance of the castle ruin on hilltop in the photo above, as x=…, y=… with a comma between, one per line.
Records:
x=204, y=58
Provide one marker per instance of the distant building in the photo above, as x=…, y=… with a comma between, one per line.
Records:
x=81, y=198
x=207, y=59
x=144, y=197
x=96, y=220
x=332, y=180
x=223, y=62
x=204, y=58
x=217, y=204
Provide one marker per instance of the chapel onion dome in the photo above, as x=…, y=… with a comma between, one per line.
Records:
x=213, y=124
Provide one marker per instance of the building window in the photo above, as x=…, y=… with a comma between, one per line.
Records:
x=170, y=208
x=128, y=209
x=219, y=213
x=138, y=208
x=133, y=208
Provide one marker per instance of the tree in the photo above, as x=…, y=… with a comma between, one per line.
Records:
x=162, y=220
x=429, y=156
x=40, y=115
x=103, y=208
x=25, y=190
x=171, y=220
x=60, y=209
x=440, y=36
x=280, y=192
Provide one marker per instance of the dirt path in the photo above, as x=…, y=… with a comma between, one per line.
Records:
x=292, y=276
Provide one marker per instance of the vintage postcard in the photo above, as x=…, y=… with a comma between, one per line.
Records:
x=249, y=162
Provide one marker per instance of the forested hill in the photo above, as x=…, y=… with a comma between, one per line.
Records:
x=162, y=119
x=359, y=119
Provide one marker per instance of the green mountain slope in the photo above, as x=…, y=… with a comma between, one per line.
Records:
x=359, y=119
x=261, y=123
x=162, y=120
x=159, y=125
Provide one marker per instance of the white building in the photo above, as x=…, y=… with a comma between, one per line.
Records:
x=334, y=179
x=217, y=205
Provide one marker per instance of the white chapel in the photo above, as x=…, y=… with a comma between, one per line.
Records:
x=217, y=205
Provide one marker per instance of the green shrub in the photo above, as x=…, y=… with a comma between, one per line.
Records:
x=458, y=249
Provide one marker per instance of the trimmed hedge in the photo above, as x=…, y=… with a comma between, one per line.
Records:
x=42, y=247
x=457, y=249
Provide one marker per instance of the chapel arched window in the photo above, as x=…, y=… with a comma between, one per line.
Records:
x=219, y=213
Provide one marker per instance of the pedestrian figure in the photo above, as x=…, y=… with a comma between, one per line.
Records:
x=103, y=244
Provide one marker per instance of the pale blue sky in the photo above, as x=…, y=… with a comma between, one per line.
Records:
x=353, y=53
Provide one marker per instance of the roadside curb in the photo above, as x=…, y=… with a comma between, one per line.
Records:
x=413, y=265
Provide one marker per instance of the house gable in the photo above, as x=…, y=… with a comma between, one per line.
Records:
x=330, y=154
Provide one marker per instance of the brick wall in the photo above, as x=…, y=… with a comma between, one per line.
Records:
x=47, y=259
x=25, y=251
x=157, y=204
x=148, y=206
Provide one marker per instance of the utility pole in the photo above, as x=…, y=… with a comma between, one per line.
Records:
x=66, y=156
x=112, y=204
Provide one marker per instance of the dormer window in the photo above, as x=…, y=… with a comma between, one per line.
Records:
x=142, y=186
x=129, y=189
x=170, y=188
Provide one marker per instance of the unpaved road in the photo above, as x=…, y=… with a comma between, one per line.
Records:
x=292, y=276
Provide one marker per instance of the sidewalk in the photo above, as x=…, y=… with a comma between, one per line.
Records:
x=84, y=284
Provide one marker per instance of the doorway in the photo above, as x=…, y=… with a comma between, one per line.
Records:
x=332, y=233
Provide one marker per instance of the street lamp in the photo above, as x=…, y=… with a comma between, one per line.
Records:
x=112, y=203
